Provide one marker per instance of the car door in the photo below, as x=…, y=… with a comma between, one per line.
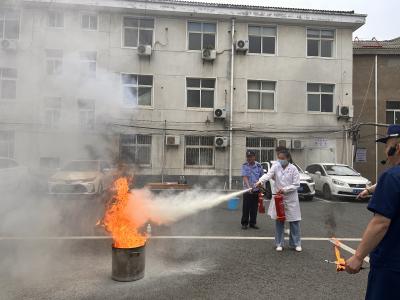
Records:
x=311, y=169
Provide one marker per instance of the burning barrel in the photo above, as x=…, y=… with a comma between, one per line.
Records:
x=128, y=263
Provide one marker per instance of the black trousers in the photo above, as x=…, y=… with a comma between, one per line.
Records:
x=250, y=208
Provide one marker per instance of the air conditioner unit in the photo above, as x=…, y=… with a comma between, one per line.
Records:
x=297, y=144
x=242, y=46
x=9, y=45
x=345, y=111
x=172, y=140
x=209, y=54
x=144, y=50
x=220, y=113
x=285, y=143
x=221, y=142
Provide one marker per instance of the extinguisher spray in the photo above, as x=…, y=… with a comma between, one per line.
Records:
x=280, y=207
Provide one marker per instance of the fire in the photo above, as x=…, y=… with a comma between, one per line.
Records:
x=118, y=218
x=340, y=262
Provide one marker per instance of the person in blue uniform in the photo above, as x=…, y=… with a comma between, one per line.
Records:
x=381, y=238
x=251, y=172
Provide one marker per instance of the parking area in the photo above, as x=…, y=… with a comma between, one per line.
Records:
x=52, y=249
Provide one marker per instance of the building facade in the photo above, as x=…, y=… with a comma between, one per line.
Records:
x=175, y=88
x=376, y=99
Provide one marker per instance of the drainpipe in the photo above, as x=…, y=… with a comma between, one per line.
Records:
x=376, y=117
x=231, y=104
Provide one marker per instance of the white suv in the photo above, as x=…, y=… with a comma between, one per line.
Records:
x=307, y=186
x=337, y=180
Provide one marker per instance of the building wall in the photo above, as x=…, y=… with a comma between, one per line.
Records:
x=170, y=64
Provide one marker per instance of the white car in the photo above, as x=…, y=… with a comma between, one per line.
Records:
x=307, y=185
x=12, y=175
x=337, y=180
x=82, y=177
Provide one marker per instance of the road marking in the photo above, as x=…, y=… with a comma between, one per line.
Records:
x=176, y=237
x=347, y=248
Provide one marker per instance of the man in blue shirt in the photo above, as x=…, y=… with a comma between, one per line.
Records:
x=382, y=236
x=251, y=172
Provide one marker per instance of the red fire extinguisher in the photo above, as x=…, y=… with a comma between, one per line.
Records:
x=280, y=207
x=261, y=207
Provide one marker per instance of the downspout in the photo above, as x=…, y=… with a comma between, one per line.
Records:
x=231, y=104
x=376, y=117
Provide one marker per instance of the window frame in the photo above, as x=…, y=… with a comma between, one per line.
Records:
x=86, y=62
x=57, y=12
x=86, y=111
x=276, y=39
x=186, y=92
x=392, y=110
x=10, y=142
x=260, y=91
x=53, y=59
x=135, y=145
x=186, y=166
x=333, y=112
x=89, y=14
x=334, y=46
x=15, y=79
x=4, y=25
x=48, y=108
x=260, y=148
x=201, y=21
x=124, y=105
x=138, y=37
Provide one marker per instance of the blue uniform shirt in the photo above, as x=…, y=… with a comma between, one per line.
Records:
x=386, y=202
x=252, y=172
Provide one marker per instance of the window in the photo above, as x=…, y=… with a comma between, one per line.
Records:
x=199, y=150
x=56, y=19
x=201, y=35
x=320, y=42
x=6, y=143
x=86, y=114
x=135, y=149
x=8, y=83
x=262, y=39
x=54, y=63
x=137, y=89
x=261, y=95
x=88, y=63
x=200, y=92
x=320, y=97
x=138, y=31
x=9, y=25
x=264, y=147
x=52, y=112
x=89, y=22
x=392, y=112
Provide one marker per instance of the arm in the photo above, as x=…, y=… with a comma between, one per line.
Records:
x=294, y=185
x=263, y=179
x=368, y=191
x=246, y=181
x=372, y=236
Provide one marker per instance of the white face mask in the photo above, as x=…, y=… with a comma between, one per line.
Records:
x=283, y=162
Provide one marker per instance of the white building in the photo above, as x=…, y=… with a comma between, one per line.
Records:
x=120, y=78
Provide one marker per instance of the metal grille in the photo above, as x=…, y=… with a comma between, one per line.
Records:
x=264, y=147
x=135, y=149
x=199, y=150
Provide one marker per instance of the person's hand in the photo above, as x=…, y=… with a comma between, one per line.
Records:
x=257, y=184
x=281, y=191
x=353, y=265
x=363, y=194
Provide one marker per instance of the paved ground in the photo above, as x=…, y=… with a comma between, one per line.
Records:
x=236, y=265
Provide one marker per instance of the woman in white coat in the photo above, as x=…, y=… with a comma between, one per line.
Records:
x=287, y=181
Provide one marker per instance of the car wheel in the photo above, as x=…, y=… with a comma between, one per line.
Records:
x=308, y=198
x=327, y=192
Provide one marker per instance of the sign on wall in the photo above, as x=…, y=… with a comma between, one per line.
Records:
x=361, y=155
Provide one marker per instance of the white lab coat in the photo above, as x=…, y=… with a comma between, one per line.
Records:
x=288, y=180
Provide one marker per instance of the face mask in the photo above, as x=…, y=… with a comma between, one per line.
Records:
x=283, y=162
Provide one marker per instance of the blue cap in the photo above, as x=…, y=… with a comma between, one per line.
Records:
x=250, y=153
x=392, y=132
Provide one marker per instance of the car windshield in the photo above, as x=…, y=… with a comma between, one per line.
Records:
x=340, y=170
x=82, y=166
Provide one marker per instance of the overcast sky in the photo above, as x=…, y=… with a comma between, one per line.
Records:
x=383, y=21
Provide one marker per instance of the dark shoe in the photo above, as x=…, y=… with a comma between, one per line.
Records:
x=254, y=227
x=244, y=227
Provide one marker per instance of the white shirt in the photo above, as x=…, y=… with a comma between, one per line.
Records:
x=288, y=180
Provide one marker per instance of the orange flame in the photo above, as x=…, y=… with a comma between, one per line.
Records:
x=340, y=262
x=118, y=221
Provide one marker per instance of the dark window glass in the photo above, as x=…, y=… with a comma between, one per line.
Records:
x=269, y=45
x=255, y=44
x=312, y=47
x=208, y=41
x=392, y=104
x=326, y=103
x=194, y=41
x=193, y=98
x=207, y=99
x=313, y=102
x=326, y=48
x=146, y=37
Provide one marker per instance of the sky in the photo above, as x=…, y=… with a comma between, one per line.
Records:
x=383, y=20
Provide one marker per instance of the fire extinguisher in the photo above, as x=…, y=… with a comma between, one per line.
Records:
x=280, y=207
x=261, y=207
